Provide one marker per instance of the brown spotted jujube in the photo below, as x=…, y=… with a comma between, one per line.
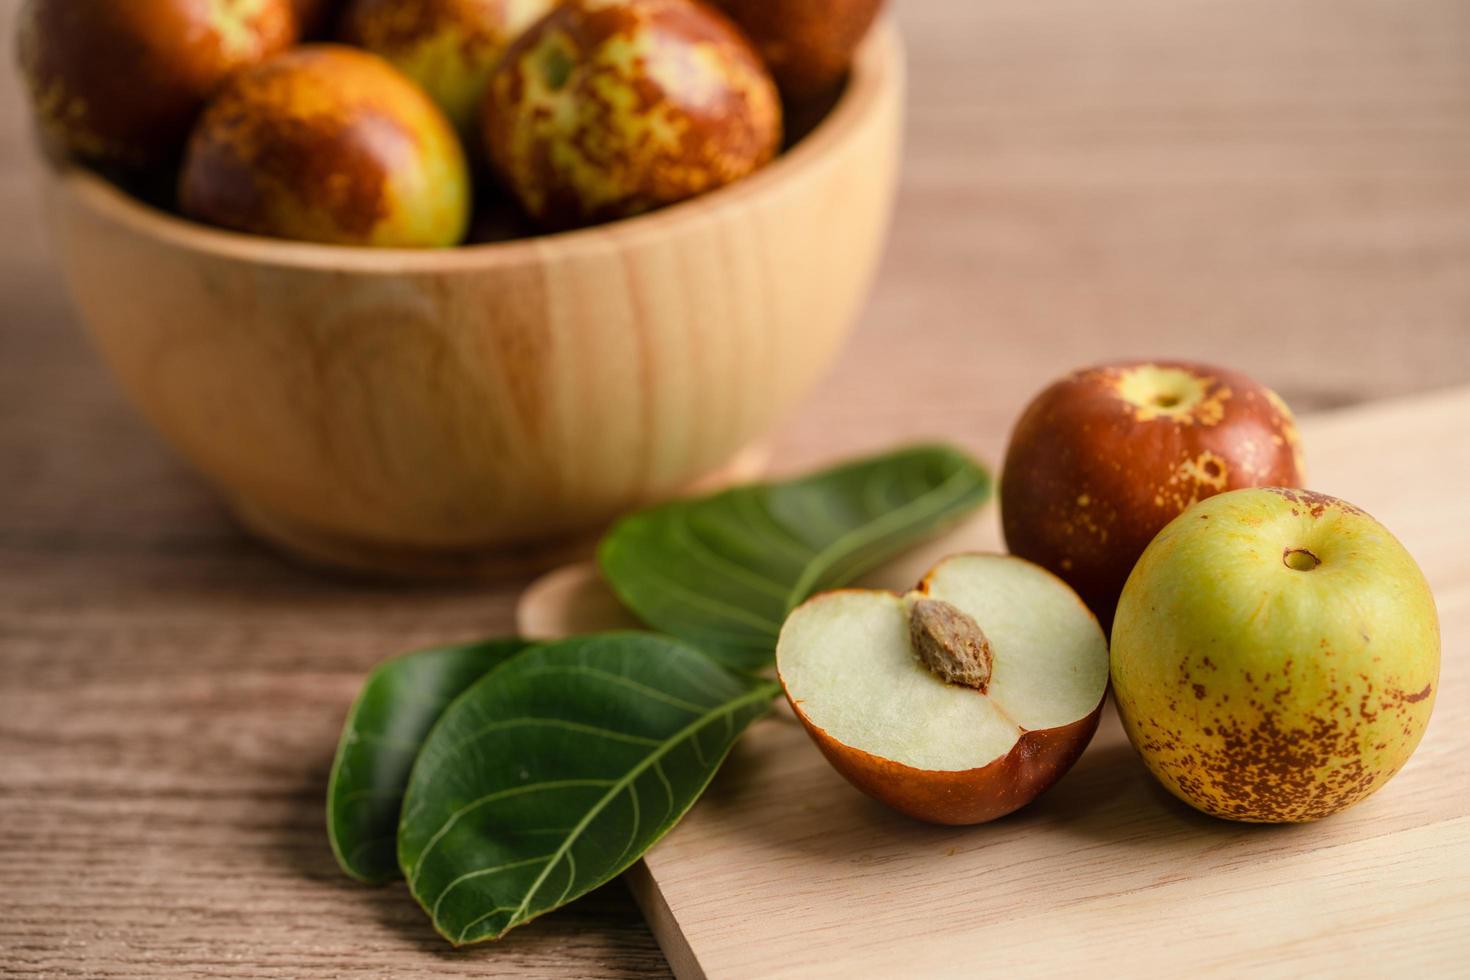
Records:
x=328, y=144
x=120, y=83
x=608, y=108
x=1102, y=459
x=1275, y=656
x=807, y=44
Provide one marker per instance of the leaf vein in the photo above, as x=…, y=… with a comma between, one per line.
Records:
x=480, y=873
x=454, y=817
x=756, y=694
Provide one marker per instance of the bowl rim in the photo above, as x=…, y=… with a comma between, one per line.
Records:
x=877, y=65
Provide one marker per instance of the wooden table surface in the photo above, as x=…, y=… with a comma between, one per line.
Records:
x=1282, y=185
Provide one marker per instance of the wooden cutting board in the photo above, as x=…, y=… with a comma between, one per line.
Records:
x=783, y=870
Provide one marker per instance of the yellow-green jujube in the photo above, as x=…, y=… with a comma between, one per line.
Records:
x=449, y=47
x=1275, y=655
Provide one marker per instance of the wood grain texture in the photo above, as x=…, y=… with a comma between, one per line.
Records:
x=377, y=408
x=1283, y=186
x=1106, y=867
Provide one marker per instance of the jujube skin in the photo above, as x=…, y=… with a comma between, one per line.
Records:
x=957, y=703
x=449, y=47
x=808, y=44
x=328, y=144
x=121, y=83
x=1102, y=459
x=604, y=110
x=1276, y=655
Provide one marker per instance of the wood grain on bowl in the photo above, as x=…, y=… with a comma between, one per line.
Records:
x=170, y=694
x=377, y=403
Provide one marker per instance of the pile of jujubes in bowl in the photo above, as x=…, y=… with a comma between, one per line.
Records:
x=614, y=243
x=429, y=123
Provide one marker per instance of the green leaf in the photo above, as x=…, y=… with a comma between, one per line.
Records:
x=558, y=770
x=722, y=572
x=395, y=709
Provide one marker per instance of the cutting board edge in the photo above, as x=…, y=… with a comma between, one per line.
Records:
x=662, y=922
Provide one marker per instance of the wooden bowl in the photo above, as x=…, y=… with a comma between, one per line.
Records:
x=415, y=411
